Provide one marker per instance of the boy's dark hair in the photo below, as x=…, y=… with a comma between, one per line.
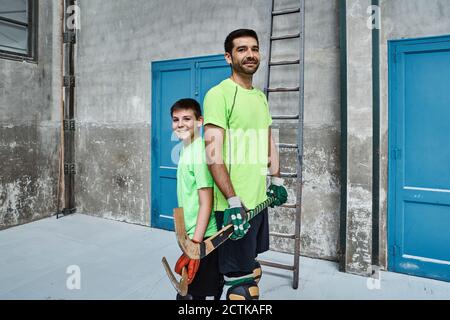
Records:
x=187, y=104
x=238, y=34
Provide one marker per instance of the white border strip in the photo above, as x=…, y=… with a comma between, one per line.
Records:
x=426, y=259
x=174, y=168
x=427, y=189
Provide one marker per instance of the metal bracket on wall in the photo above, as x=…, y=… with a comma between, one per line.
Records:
x=70, y=169
x=65, y=212
x=69, y=37
x=69, y=81
x=69, y=125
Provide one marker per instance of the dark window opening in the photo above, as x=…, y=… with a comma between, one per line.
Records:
x=18, y=29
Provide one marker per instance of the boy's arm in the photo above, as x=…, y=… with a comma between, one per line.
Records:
x=214, y=146
x=205, y=197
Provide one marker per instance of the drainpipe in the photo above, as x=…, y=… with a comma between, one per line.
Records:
x=376, y=142
x=61, y=185
x=343, y=66
x=68, y=143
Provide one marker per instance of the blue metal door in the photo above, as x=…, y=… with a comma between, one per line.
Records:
x=173, y=80
x=419, y=165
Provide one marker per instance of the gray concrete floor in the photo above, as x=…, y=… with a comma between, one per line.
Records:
x=122, y=261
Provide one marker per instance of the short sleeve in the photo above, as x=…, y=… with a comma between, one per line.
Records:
x=202, y=175
x=266, y=104
x=214, y=107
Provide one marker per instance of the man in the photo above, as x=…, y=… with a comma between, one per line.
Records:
x=239, y=145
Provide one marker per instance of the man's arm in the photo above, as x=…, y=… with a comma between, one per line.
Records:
x=205, y=197
x=214, y=137
x=274, y=158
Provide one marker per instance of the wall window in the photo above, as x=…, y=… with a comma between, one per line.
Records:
x=18, y=29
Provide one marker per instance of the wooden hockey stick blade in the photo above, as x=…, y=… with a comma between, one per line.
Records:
x=200, y=250
x=181, y=287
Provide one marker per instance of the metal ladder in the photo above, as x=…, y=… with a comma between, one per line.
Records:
x=300, y=10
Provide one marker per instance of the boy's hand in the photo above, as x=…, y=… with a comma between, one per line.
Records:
x=278, y=191
x=236, y=215
x=191, y=264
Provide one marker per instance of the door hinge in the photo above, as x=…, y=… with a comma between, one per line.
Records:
x=395, y=250
x=154, y=143
x=397, y=153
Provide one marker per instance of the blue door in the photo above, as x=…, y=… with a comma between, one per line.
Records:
x=173, y=80
x=419, y=164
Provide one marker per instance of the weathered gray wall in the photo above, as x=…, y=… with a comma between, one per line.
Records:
x=30, y=128
x=117, y=42
x=402, y=19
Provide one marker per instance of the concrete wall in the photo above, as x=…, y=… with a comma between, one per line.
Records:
x=402, y=19
x=30, y=128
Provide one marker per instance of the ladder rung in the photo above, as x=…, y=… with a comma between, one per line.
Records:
x=282, y=235
x=283, y=89
x=276, y=265
x=287, y=146
x=289, y=206
x=284, y=63
x=286, y=117
x=288, y=175
x=289, y=36
x=287, y=11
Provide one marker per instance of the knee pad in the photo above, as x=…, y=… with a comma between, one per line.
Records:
x=244, y=291
x=257, y=272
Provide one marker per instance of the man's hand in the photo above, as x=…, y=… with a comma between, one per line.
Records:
x=278, y=191
x=191, y=264
x=236, y=215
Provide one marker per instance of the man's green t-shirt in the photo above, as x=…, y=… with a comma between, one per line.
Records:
x=192, y=175
x=245, y=116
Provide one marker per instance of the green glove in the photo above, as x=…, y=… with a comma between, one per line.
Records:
x=236, y=215
x=278, y=191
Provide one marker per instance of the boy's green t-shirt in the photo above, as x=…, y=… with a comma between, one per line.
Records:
x=193, y=174
x=245, y=116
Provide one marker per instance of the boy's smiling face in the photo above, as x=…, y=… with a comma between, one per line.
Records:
x=185, y=125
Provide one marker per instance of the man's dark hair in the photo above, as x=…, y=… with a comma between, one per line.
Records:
x=238, y=34
x=187, y=104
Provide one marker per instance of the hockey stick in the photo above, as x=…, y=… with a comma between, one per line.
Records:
x=181, y=286
x=200, y=250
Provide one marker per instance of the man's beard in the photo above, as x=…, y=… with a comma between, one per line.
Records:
x=239, y=67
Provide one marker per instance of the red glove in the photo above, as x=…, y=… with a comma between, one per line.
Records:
x=191, y=264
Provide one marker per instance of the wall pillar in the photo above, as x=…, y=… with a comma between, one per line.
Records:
x=359, y=137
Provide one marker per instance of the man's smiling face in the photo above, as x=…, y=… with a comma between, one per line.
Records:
x=245, y=57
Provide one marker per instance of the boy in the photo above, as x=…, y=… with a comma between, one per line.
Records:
x=195, y=196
